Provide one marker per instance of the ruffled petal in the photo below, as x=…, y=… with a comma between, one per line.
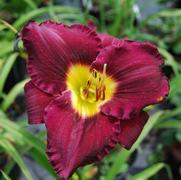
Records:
x=91, y=25
x=131, y=129
x=135, y=66
x=74, y=141
x=53, y=47
x=106, y=39
x=36, y=101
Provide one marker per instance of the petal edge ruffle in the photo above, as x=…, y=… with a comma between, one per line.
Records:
x=135, y=67
x=74, y=141
x=131, y=129
x=52, y=48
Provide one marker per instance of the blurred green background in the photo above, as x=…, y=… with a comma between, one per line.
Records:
x=157, y=152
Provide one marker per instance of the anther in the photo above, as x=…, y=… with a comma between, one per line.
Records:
x=86, y=93
x=94, y=73
x=88, y=83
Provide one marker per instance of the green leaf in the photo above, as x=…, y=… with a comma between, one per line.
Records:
x=1, y=63
x=22, y=137
x=124, y=154
x=177, y=48
x=42, y=160
x=38, y=12
x=123, y=21
x=5, y=176
x=165, y=13
x=6, y=69
x=175, y=84
x=2, y=27
x=169, y=124
x=20, y=134
x=9, y=166
x=4, y=143
x=31, y=4
x=17, y=89
x=6, y=47
x=169, y=13
x=151, y=171
x=170, y=113
x=9, y=26
x=178, y=136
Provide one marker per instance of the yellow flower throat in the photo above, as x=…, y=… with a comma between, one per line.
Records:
x=90, y=89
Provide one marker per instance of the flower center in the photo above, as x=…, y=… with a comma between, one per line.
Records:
x=89, y=88
x=95, y=88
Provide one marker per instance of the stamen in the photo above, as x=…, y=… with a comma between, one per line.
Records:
x=103, y=92
x=98, y=94
x=95, y=87
x=104, y=70
x=100, y=88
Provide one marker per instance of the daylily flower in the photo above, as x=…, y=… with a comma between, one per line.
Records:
x=89, y=89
